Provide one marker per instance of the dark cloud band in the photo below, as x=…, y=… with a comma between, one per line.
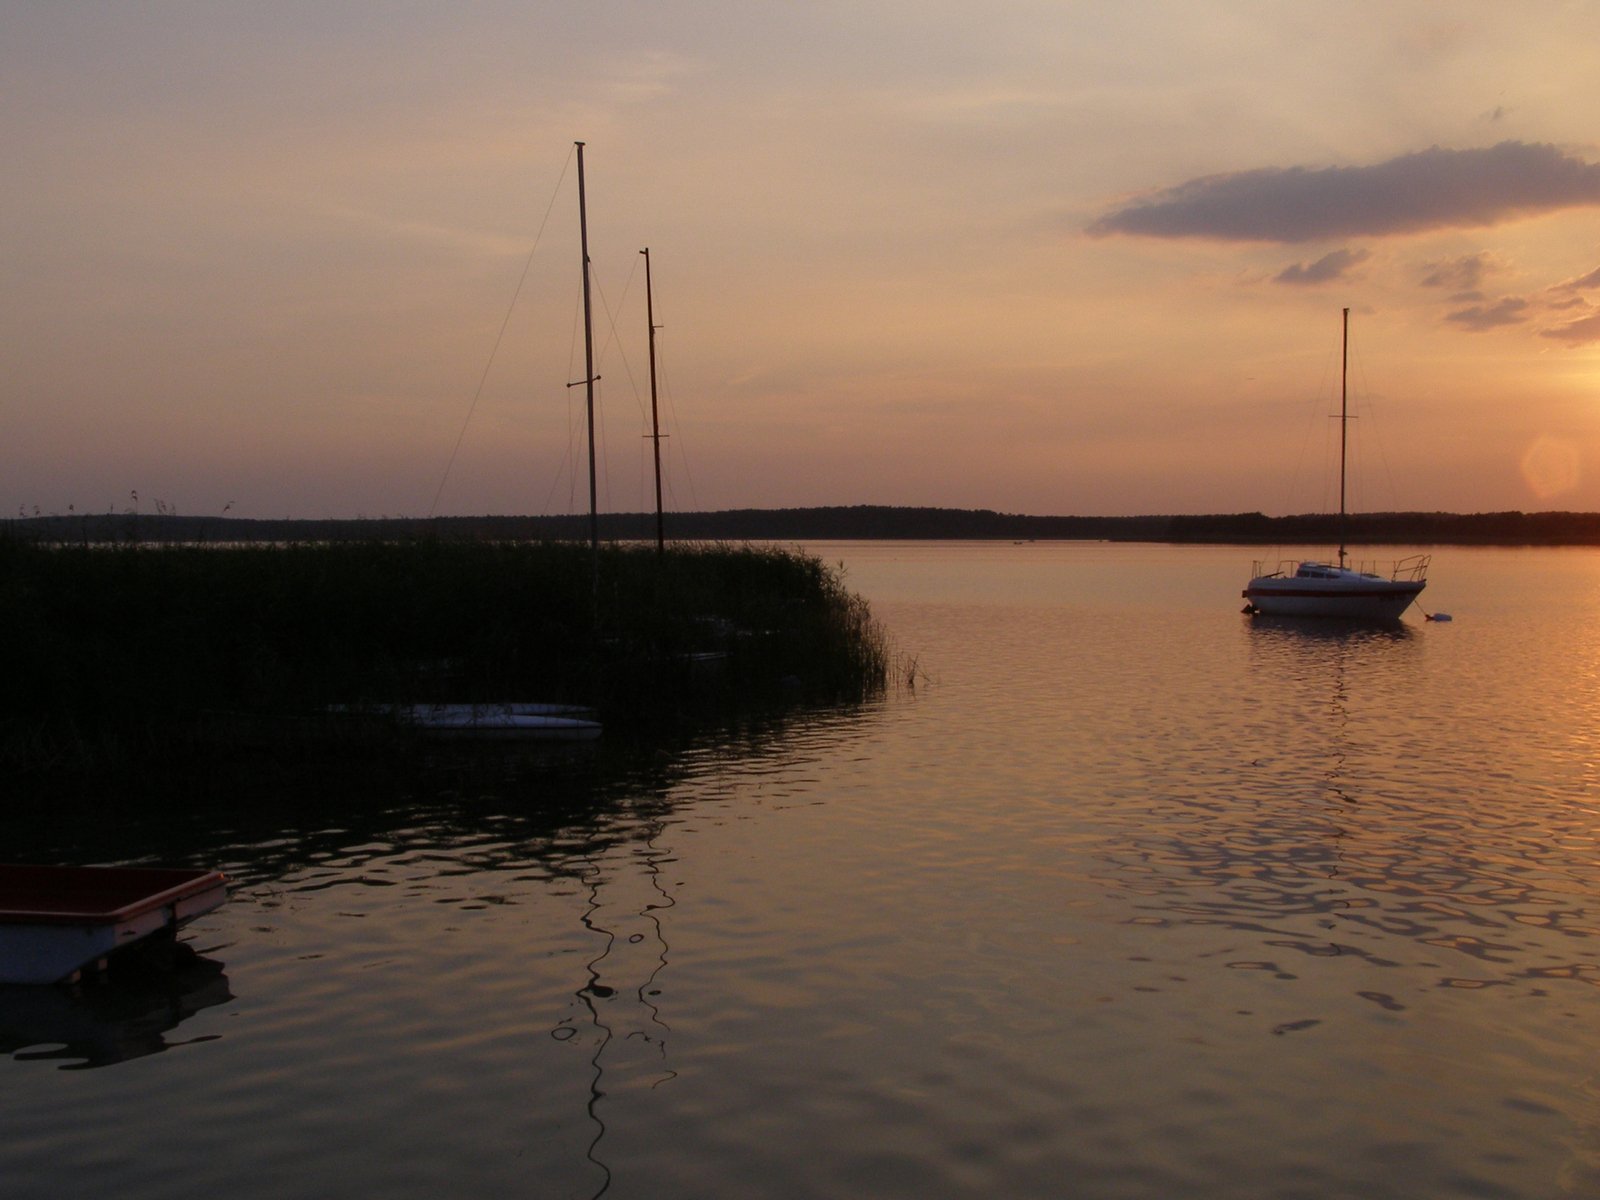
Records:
x=1431, y=189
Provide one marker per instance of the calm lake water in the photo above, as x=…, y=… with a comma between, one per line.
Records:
x=1129, y=897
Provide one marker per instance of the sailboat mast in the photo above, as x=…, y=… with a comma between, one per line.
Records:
x=588, y=356
x=655, y=421
x=1344, y=426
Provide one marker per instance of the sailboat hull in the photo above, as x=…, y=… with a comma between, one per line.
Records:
x=1351, y=595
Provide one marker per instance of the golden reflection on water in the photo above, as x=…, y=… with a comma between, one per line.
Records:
x=1406, y=816
x=1133, y=897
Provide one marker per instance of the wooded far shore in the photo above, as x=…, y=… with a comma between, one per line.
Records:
x=845, y=523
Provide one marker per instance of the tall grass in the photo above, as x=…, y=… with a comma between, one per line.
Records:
x=111, y=652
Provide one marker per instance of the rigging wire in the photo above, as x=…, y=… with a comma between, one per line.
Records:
x=1374, y=445
x=1368, y=463
x=567, y=468
x=1314, y=422
x=499, y=337
x=642, y=479
x=568, y=457
x=614, y=338
x=675, y=434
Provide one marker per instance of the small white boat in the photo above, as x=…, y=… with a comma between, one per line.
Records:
x=1337, y=589
x=503, y=722
x=55, y=921
x=1315, y=589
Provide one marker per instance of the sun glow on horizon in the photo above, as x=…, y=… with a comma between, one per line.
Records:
x=919, y=276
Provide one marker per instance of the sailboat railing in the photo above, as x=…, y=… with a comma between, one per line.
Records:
x=1413, y=569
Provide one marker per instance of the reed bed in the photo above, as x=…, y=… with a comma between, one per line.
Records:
x=119, y=653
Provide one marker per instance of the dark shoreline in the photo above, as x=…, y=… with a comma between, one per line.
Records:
x=853, y=523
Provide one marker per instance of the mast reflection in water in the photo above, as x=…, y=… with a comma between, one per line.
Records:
x=628, y=1034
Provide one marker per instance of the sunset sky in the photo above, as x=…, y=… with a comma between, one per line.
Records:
x=1041, y=257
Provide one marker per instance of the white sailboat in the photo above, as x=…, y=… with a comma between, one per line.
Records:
x=1337, y=589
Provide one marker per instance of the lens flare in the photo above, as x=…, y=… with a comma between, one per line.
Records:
x=1550, y=467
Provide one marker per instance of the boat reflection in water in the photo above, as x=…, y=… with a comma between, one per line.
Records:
x=1287, y=633
x=122, y=1014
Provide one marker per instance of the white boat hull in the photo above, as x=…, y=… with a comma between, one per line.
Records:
x=503, y=722
x=1332, y=592
x=55, y=921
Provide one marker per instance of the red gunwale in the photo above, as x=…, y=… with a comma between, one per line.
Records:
x=1342, y=594
x=95, y=895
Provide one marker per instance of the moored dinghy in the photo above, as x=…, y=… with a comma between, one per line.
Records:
x=55, y=921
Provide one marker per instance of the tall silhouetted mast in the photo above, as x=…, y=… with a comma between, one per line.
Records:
x=1344, y=422
x=588, y=357
x=655, y=420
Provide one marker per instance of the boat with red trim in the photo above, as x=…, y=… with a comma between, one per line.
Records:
x=58, y=921
x=1337, y=589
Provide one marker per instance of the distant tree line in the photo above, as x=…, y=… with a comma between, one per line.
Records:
x=855, y=522
x=1416, y=529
